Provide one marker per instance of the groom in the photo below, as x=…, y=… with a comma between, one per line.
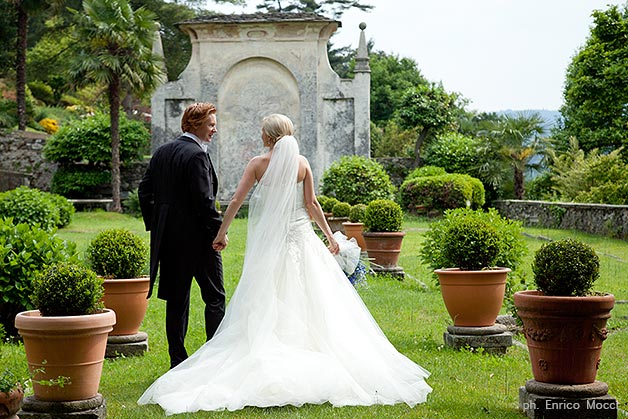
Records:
x=178, y=201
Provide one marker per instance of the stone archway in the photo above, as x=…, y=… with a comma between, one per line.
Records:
x=252, y=89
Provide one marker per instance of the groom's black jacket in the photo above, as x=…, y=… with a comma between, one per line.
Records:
x=178, y=201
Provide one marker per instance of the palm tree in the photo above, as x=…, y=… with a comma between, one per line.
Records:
x=521, y=139
x=116, y=51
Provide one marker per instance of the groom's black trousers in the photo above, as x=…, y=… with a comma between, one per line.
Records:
x=207, y=270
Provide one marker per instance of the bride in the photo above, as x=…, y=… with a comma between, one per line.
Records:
x=295, y=330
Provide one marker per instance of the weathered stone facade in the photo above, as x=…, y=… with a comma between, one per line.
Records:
x=607, y=220
x=253, y=65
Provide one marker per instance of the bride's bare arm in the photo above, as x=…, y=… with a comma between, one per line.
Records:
x=244, y=186
x=315, y=210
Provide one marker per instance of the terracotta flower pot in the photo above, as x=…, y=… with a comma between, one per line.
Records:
x=384, y=248
x=473, y=298
x=335, y=223
x=564, y=334
x=65, y=346
x=355, y=230
x=127, y=297
x=11, y=403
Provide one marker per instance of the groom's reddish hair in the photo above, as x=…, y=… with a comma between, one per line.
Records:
x=195, y=115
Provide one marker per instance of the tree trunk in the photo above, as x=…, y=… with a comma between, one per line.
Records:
x=114, y=114
x=20, y=65
x=418, y=145
x=519, y=188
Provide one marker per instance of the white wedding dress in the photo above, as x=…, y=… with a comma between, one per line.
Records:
x=295, y=330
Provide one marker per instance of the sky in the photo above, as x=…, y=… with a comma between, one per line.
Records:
x=499, y=54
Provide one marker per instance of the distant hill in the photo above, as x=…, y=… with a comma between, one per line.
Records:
x=550, y=117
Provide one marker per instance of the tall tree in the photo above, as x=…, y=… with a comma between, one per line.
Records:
x=520, y=139
x=23, y=8
x=334, y=8
x=391, y=77
x=117, y=52
x=595, y=108
x=429, y=108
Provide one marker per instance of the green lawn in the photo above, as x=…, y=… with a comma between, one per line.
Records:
x=410, y=312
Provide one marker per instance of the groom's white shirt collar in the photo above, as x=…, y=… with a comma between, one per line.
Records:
x=198, y=141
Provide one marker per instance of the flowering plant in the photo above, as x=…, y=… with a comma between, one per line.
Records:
x=350, y=259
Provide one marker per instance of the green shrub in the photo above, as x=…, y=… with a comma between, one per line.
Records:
x=41, y=91
x=455, y=152
x=341, y=209
x=132, y=204
x=327, y=203
x=357, y=180
x=67, y=289
x=89, y=141
x=65, y=207
x=117, y=253
x=357, y=213
x=565, y=267
x=383, y=215
x=25, y=250
x=442, y=192
x=80, y=181
x=30, y=206
x=425, y=171
x=472, y=240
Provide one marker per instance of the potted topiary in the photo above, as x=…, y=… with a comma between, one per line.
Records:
x=471, y=253
x=11, y=394
x=66, y=336
x=564, y=321
x=120, y=256
x=383, y=236
x=339, y=214
x=355, y=226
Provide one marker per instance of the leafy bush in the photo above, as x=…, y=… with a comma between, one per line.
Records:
x=357, y=180
x=454, y=152
x=565, y=267
x=25, y=250
x=89, y=141
x=41, y=91
x=357, y=213
x=383, y=215
x=341, y=209
x=32, y=206
x=67, y=289
x=117, y=253
x=391, y=140
x=327, y=203
x=473, y=240
x=425, y=171
x=442, y=192
x=132, y=204
x=80, y=181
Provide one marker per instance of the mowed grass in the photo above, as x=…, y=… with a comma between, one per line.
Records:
x=410, y=312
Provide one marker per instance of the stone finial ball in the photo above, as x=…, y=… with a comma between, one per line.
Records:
x=362, y=25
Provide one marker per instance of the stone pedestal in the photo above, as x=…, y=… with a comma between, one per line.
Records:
x=558, y=401
x=395, y=271
x=493, y=339
x=93, y=408
x=127, y=345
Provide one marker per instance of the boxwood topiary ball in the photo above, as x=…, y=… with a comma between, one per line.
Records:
x=565, y=267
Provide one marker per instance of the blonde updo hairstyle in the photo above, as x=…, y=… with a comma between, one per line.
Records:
x=196, y=115
x=276, y=126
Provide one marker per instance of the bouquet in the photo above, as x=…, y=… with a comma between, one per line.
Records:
x=349, y=259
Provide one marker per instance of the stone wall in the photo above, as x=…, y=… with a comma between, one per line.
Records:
x=22, y=163
x=607, y=220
